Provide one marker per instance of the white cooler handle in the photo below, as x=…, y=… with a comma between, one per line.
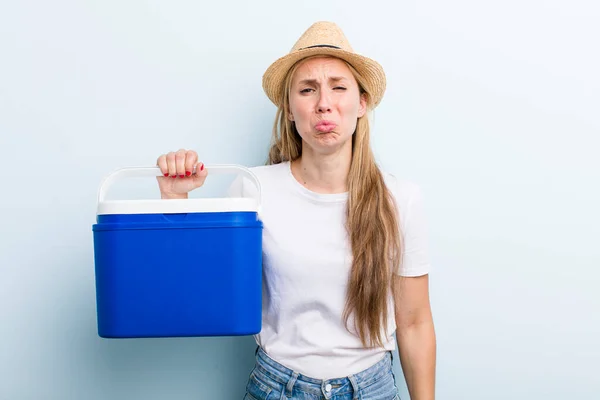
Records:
x=217, y=169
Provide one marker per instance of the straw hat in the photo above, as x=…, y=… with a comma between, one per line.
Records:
x=324, y=38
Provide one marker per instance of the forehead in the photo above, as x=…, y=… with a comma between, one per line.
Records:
x=322, y=67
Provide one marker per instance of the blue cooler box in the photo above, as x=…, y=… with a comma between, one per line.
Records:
x=178, y=268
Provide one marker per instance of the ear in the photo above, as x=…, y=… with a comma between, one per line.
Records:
x=362, y=108
x=291, y=117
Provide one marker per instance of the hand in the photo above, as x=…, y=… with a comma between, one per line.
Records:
x=179, y=178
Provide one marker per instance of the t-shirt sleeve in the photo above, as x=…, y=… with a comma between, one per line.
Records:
x=415, y=259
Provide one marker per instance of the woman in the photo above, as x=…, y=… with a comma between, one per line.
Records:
x=345, y=262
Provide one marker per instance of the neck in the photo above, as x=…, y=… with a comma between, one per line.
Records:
x=323, y=173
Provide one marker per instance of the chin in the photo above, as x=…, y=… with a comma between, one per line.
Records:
x=327, y=139
x=327, y=143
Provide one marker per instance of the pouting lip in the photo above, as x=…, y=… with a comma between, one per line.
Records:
x=325, y=123
x=325, y=126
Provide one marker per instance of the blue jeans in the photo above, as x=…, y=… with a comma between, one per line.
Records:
x=270, y=380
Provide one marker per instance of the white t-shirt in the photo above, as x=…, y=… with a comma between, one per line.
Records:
x=306, y=264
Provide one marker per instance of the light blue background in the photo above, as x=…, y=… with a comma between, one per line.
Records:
x=492, y=107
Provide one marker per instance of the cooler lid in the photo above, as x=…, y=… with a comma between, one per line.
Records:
x=177, y=206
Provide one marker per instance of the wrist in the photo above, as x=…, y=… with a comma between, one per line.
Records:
x=173, y=196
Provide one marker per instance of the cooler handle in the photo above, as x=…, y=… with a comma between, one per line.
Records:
x=216, y=169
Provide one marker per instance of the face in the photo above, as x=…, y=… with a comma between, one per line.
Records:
x=325, y=103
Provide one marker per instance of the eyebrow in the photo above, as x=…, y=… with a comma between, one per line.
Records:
x=314, y=81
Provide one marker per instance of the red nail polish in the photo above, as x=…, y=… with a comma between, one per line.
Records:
x=181, y=176
x=188, y=173
x=167, y=174
x=173, y=176
x=202, y=167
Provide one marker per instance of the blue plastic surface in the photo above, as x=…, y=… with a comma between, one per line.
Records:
x=178, y=275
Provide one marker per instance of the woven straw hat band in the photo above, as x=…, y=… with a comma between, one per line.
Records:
x=323, y=33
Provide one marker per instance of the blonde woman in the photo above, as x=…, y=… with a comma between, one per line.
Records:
x=344, y=244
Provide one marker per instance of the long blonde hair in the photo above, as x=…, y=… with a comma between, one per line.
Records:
x=371, y=219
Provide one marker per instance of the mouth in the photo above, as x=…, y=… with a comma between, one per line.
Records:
x=325, y=126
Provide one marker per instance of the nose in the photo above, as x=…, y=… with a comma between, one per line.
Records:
x=324, y=104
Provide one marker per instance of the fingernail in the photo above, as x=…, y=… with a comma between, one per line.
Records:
x=173, y=176
x=181, y=176
x=202, y=167
x=167, y=174
x=188, y=173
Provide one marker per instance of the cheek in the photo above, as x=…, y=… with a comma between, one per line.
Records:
x=350, y=110
x=300, y=111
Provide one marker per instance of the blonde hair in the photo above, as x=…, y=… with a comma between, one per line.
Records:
x=372, y=222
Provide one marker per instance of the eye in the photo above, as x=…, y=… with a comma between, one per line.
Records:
x=307, y=90
x=339, y=88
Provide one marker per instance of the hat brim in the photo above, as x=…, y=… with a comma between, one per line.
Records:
x=370, y=70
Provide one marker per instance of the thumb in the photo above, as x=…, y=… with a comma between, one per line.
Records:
x=200, y=175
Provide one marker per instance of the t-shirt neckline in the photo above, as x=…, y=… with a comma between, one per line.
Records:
x=319, y=197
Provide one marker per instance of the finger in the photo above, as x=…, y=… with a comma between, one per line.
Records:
x=201, y=174
x=200, y=169
x=180, y=162
x=171, y=164
x=191, y=159
x=161, y=162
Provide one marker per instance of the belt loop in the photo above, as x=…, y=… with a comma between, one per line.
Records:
x=287, y=393
x=355, y=390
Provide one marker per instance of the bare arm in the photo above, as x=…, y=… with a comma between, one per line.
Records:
x=415, y=335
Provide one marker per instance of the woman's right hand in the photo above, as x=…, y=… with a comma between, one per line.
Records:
x=179, y=177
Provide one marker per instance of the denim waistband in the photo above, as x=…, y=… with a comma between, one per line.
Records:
x=342, y=385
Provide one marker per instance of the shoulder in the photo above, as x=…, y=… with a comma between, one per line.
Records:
x=269, y=172
x=267, y=176
x=405, y=191
x=270, y=176
x=408, y=197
